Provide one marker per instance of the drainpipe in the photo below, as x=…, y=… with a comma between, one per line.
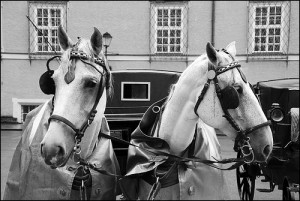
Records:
x=213, y=23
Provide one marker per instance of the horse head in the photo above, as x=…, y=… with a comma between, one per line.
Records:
x=214, y=89
x=231, y=106
x=80, y=84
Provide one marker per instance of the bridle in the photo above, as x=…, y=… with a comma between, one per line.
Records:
x=242, y=139
x=79, y=133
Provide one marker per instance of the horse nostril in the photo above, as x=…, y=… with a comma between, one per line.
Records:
x=267, y=150
x=42, y=144
x=60, y=152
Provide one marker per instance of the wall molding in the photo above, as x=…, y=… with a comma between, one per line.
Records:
x=143, y=57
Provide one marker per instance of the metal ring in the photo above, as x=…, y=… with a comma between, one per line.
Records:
x=250, y=149
x=156, y=109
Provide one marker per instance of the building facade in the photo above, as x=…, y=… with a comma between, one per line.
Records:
x=163, y=35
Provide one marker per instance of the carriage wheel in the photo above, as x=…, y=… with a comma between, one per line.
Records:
x=287, y=194
x=245, y=181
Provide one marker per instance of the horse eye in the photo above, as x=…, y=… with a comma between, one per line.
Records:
x=90, y=84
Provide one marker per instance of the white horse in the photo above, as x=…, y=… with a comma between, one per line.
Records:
x=66, y=130
x=213, y=90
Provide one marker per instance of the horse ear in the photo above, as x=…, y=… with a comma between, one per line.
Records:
x=96, y=41
x=211, y=53
x=64, y=41
x=231, y=49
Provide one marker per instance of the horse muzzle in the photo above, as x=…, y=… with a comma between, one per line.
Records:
x=53, y=155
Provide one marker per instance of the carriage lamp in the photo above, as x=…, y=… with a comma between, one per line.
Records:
x=107, y=39
x=275, y=113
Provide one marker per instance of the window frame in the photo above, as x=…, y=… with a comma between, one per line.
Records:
x=283, y=35
x=135, y=99
x=33, y=36
x=183, y=6
x=18, y=103
x=168, y=28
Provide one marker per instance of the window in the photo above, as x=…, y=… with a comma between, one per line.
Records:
x=268, y=28
x=45, y=17
x=25, y=109
x=135, y=91
x=21, y=107
x=168, y=28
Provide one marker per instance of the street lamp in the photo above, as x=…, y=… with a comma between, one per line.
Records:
x=107, y=39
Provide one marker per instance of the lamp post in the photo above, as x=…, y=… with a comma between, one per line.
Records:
x=107, y=39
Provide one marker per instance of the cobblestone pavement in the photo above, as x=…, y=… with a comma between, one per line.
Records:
x=9, y=140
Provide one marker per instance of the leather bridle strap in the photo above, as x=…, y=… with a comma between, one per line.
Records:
x=203, y=92
x=90, y=117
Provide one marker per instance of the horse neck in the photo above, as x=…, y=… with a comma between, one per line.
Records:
x=178, y=121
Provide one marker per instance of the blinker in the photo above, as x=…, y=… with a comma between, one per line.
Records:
x=46, y=82
x=230, y=98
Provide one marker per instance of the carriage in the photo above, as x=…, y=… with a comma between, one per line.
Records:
x=280, y=102
x=134, y=91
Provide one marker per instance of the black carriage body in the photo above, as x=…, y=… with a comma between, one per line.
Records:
x=285, y=92
x=133, y=92
x=284, y=160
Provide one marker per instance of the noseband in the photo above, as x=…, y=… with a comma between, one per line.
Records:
x=242, y=140
x=79, y=133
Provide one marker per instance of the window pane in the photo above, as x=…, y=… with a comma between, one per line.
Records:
x=271, y=39
x=165, y=33
x=45, y=12
x=172, y=48
x=39, y=12
x=278, y=20
x=278, y=10
x=172, y=41
x=165, y=48
x=272, y=21
x=159, y=33
x=159, y=48
x=25, y=109
x=135, y=91
x=159, y=41
x=270, y=48
x=165, y=40
x=257, y=31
